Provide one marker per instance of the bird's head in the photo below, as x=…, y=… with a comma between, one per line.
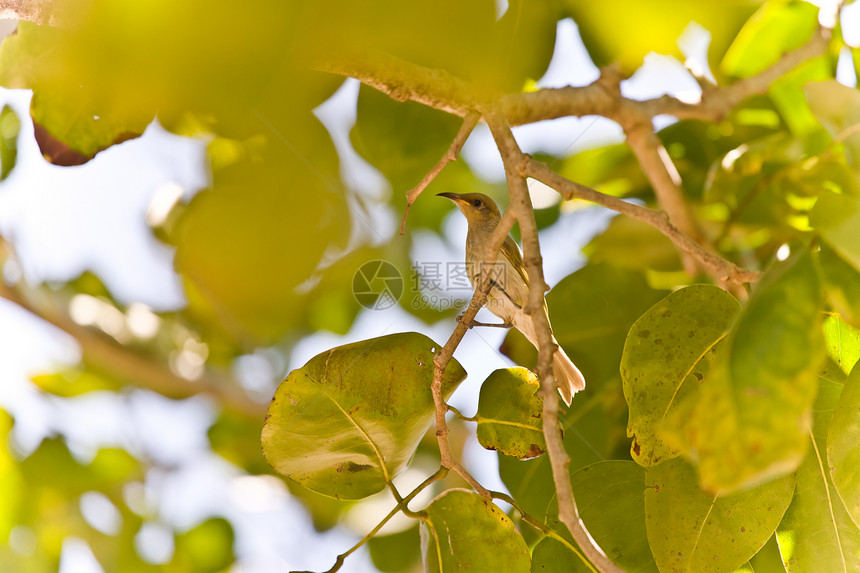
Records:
x=476, y=207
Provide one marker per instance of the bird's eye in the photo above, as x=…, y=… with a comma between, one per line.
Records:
x=477, y=203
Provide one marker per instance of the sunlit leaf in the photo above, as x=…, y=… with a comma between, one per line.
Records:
x=776, y=28
x=817, y=533
x=10, y=126
x=841, y=285
x=843, y=446
x=748, y=422
x=842, y=343
x=837, y=218
x=464, y=530
x=837, y=107
x=664, y=361
x=350, y=419
x=691, y=530
x=510, y=413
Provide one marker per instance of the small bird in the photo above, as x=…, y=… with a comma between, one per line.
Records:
x=509, y=283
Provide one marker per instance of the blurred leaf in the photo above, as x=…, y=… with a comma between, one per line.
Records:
x=691, y=530
x=630, y=243
x=396, y=552
x=776, y=28
x=768, y=559
x=10, y=481
x=665, y=360
x=841, y=284
x=610, y=497
x=510, y=413
x=384, y=134
x=817, y=533
x=837, y=107
x=611, y=169
x=842, y=343
x=837, y=218
x=625, y=31
x=787, y=93
x=843, y=447
x=748, y=421
x=74, y=119
x=207, y=547
x=464, y=530
x=350, y=419
x=238, y=241
x=71, y=382
x=10, y=126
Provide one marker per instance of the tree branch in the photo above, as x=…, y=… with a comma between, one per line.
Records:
x=721, y=268
x=440, y=361
x=469, y=123
x=138, y=369
x=513, y=160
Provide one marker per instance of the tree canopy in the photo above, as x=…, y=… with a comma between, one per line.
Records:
x=715, y=316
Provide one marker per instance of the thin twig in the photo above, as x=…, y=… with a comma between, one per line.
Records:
x=542, y=527
x=513, y=160
x=440, y=361
x=129, y=365
x=720, y=268
x=401, y=506
x=469, y=123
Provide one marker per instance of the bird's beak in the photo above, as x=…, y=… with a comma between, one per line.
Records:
x=452, y=196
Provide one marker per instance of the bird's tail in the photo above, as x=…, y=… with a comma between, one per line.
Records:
x=567, y=376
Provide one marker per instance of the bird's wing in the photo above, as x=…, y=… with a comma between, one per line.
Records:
x=511, y=251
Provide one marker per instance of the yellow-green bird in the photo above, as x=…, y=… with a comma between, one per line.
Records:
x=509, y=283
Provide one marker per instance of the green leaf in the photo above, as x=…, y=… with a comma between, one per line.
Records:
x=552, y=556
x=776, y=28
x=841, y=285
x=464, y=530
x=837, y=107
x=78, y=120
x=748, y=422
x=396, y=552
x=817, y=533
x=664, y=361
x=837, y=218
x=241, y=250
x=843, y=446
x=592, y=311
x=630, y=243
x=10, y=126
x=207, y=547
x=610, y=496
x=350, y=419
x=625, y=31
x=510, y=413
x=842, y=343
x=691, y=530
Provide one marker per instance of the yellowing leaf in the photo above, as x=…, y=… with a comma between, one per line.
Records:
x=465, y=531
x=348, y=421
x=664, y=361
x=750, y=419
x=510, y=413
x=843, y=446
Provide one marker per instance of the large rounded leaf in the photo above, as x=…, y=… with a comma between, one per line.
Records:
x=663, y=361
x=463, y=530
x=510, y=414
x=348, y=421
x=750, y=419
x=843, y=445
x=691, y=530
